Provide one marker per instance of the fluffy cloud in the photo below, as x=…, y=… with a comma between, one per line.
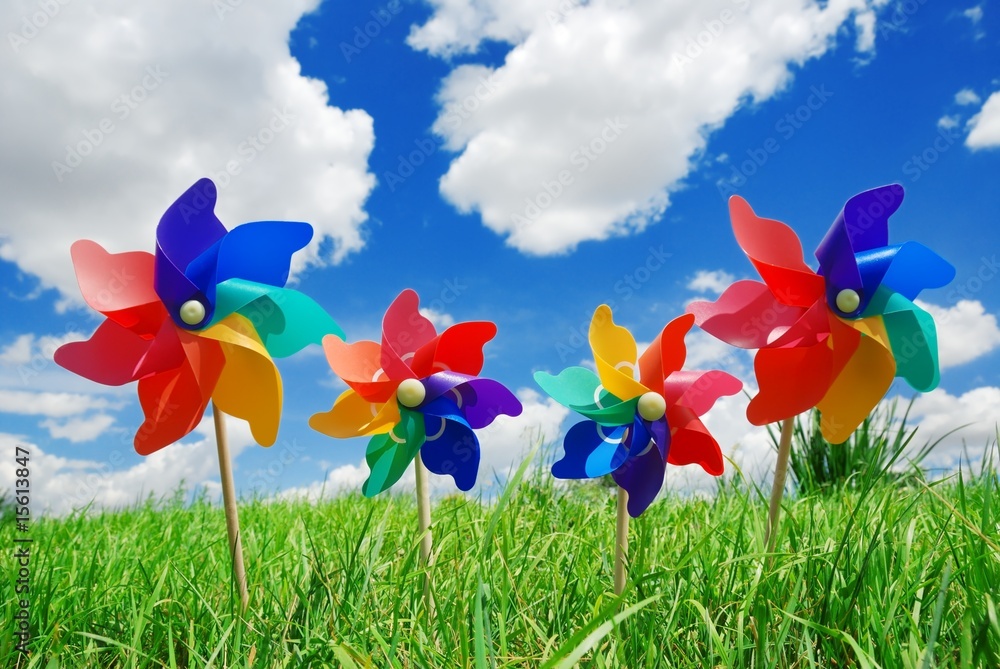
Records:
x=54, y=405
x=440, y=319
x=984, y=127
x=61, y=484
x=546, y=161
x=967, y=96
x=78, y=430
x=965, y=331
x=105, y=143
x=971, y=420
x=710, y=281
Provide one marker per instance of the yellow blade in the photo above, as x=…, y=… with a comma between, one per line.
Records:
x=249, y=386
x=615, y=355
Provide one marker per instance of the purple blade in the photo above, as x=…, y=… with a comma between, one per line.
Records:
x=659, y=433
x=642, y=477
x=862, y=225
x=189, y=226
x=480, y=400
x=188, y=229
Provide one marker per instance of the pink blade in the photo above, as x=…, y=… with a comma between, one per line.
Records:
x=776, y=252
x=745, y=315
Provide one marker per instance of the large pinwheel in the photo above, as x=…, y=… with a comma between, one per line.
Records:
x=199, y=321
x=417, y=392
x=836, y=338
x=635, y=426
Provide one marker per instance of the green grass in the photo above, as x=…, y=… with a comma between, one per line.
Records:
x=884, y=575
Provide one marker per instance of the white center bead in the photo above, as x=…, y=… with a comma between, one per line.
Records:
x=410, y=393
x=192, y=312
x=652, y=406
x=848, y=300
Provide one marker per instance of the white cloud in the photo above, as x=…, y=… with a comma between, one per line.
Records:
x=439, y=319
x=79, y=430
x=158, y=97
x=967, y=96
x=710, y=281
x=547, y=162
x=27, y=348
x=965, y=331
x=984, y=127
x=974, y=14
x=61, y=484
x=53, y=405
x=937, y=413
x=947, y=122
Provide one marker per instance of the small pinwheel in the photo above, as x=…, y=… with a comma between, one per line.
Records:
x=199, y=321
x=417, y=391
x=635, y=427
x=836, y=338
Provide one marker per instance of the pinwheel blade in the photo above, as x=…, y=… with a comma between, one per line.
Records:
x=457, y=349
x=913, y=338
x=573, y=386
x=698, y=390
x=745, y=315
x=666, y=354
x=174, y=401
x=775, y=250
x=358, y=364
x=285, y=320
x=591, y=450
x=479, y=400
x=906, y=269
x=249, y=386
x=261, y=251
x=791, y=381
x=615, y=355
x=118, y=285
x=404, y=331
x=861, y=226
x=354, y=416
x=389, y=455
x=642, y=477
x=692, y=444
x=861, y=384
x=110, y=356
x=451, y=447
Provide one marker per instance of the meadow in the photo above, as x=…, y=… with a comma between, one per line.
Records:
x=886, y=572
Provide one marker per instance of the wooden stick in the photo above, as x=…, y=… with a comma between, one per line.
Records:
x=621, y=541
x=778, y=487
x=424, y=526
x=229, y=502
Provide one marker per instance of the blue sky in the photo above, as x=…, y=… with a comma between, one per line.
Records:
x=426, y=153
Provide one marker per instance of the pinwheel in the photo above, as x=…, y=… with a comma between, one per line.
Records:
x=416, y=392
x=833, y=339
x=635, y=427
x=199, y=321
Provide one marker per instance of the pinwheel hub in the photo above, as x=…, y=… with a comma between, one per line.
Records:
x=652, y=406
x=848, y=300
x=411, y=393
x=192, y=312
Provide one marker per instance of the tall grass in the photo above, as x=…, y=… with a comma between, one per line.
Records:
x=880, y=575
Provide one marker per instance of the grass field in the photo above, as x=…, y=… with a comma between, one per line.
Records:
x=887, y=575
